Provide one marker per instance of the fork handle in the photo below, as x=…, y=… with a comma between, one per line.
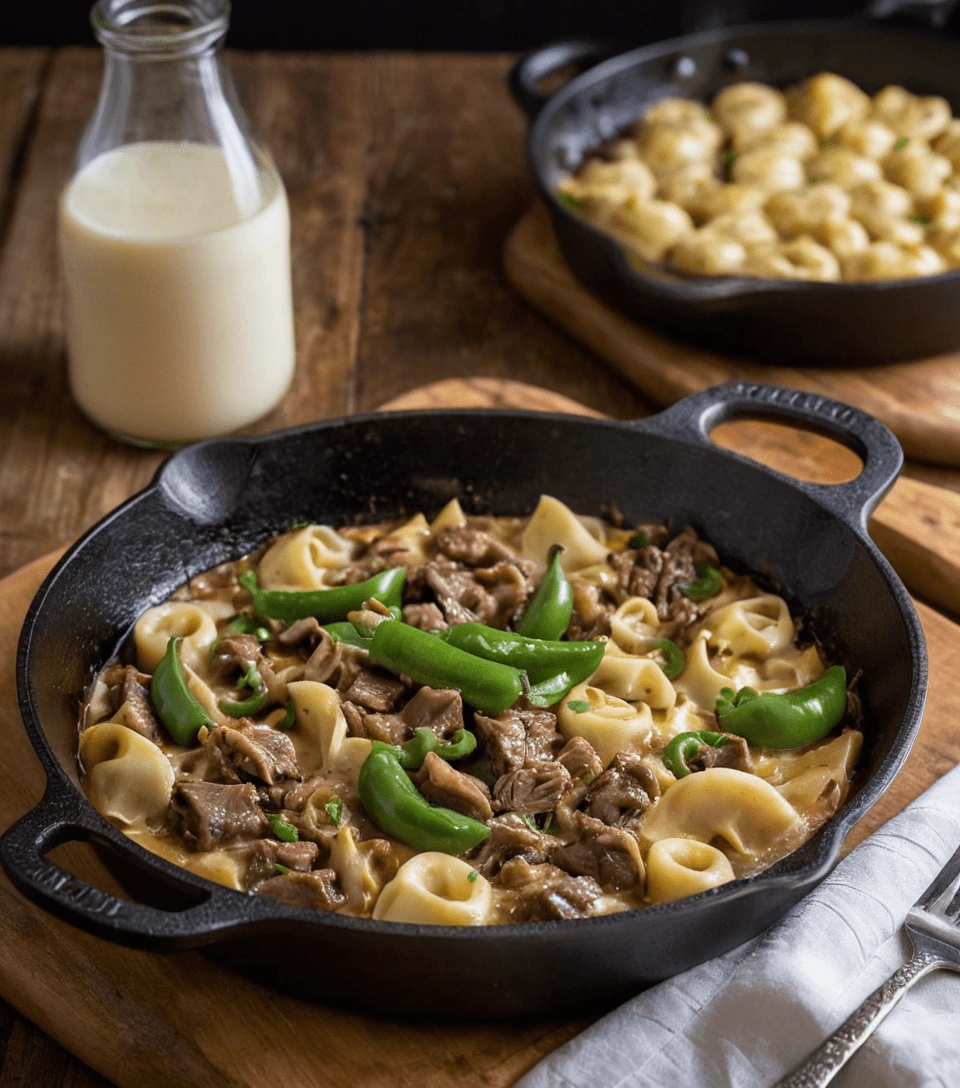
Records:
x=834, y=1053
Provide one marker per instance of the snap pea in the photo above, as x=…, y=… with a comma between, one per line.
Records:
x=324, y=604
x=245, y=707
x=787, y=720
x=396, y=806
x=685, y=746
x=175, y=704
x=407, y=651
x=548, y=614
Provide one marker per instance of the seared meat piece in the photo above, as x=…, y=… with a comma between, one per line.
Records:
x=656, y=532
x=609, y=855
x=439, y=709
x=374, y=689
x=236, y=651
x=509, y=585
x=427, y=617
x=208, y=814
x=265, y=855
x=325, y=659
x=516, y=737
x=591, y=614
x=475, y=547
x=578, y=756
x=208, y=763
x=537, y=786
x=355, y=719
x=140, y=716
x=258, y=750
x=542, y=892
x=458, y=594
x=690, y=545
x=638, y=571
x=625, y=790
x=510, y=837
x=681, y=557
x=305, y=630
x=315, y=890
x=734, y=753
x=449, y=788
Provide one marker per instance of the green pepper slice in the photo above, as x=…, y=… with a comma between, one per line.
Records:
x=487, y=685
x=685, y=746
x=324, y=604
x=174, y=702
x=675, y=661
x=289, y=719
x=788, y=720
x=414, y=752
x=708, y=583
x=396, y=806
x=547, y=616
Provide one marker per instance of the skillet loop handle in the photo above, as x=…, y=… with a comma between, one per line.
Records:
x=853, y=502
x=935, y=13
x=537, y=64
x=60, y=818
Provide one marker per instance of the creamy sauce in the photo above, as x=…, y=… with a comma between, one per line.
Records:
x=179, y=309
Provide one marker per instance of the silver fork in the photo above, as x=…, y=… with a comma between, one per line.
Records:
x=933, y=926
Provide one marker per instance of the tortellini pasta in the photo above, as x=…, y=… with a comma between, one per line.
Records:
x=633, y=679
x=552, y=522
x=127, y=777
x=610, y=724
x=436, y=890
x=821, y=184
x=158, y=625
x=757, y=626
x=680, y=867
x=303, y=559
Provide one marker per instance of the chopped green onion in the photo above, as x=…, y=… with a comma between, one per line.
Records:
x=708, y=583
x=552, y=827
x=901, y=143
x=579, y=706
x=639, y=540
x=334, y=809
x=575, y=204
x=282, y=868
x=290, y=718
x=472, y=875
x=283, y=829
x=728, y=158
x=530, y=822
x=588, y=778
x=300, y=525
x=674, y=660
x=923, y=220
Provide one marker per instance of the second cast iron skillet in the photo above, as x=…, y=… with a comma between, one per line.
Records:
x=218, y=500
x=776, y=321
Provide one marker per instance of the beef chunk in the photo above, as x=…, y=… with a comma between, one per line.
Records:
x=305, y=630
x=624, y=791
x=591, y=614
x=237, y=651
x=474, y=547
x=315, y=890
x=638, y=571
x=735, y=752
x=510, y=837
x=581, y=761
x=265, y=855
x=509, y=585
x=355, y=719
x=681, y=557
x=459, y=595
x=207, y=763
x=518, y=736
x=140, y=715
x=609, y=855
x=541, y=892
x=689, y=545
x=438, y=709
x=374, y=689
x=258, y=750
x=449, y=788
x=537, y=786
x=427, y=617
x=209, y=815
x=325, y=660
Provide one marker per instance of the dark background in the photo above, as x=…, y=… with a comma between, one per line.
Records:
x=434, y=24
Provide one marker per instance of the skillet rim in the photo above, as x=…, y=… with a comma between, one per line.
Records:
x=253, y=912
x=712, y=288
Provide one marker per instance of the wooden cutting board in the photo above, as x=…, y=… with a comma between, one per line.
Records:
x=183, y=1021
x=919, y=401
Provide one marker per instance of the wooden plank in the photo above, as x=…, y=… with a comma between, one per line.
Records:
x=21, y=78
x=448, y=181
x=59, y=474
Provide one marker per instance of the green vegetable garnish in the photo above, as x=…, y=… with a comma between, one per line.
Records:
x=284, y=830
x=708, y=583
x=639, y=540
x=472, y=875
x=334, y=809
x=579, y=706
x=531, y=823
x=728, y=158
x=923, y=220
x=300, y=525
x=282, y=868
x=674, y=660
x=901, y=143
x=570, y=201
x=290, y=718
x=242, y=625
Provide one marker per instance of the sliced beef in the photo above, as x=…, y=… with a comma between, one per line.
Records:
x=373, y=688
x=210, y=815
x=460, y=597
x=472, y=546
x=305, y=630
x=591, y=613
x=625, y=790
x=437, y=709
x=681, y=557
x=325, y=660
x=689, y=545
x=535, y=787
x=447, y=787
x=237, y=651
x=427, y=617
x=265, y=855
x=258, y=750
x=207, y=763
x=140, y=717
x=638, y=571
x=509, y=585
x=579, y=758
x=510, y=837
x=518, y=736
x=539, y=893
x=735, y=752
x=316, y=890
x=355, y=719
x=609, y=855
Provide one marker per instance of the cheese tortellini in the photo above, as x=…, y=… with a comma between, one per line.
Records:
x=820, y=183
x=436, y=890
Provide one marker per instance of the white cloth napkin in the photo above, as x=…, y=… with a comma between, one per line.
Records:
x=747, y=1018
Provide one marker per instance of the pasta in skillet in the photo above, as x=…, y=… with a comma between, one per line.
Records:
x=819, y=182
x=474, y=720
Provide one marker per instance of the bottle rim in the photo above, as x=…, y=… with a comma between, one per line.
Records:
x=171, y=27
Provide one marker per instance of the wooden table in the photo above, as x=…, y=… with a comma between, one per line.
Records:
x=404, y=174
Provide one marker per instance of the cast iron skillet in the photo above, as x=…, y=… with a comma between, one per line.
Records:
x=219, y=499
x=777, y=321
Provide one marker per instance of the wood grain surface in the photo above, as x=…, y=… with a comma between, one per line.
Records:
x=920, y=401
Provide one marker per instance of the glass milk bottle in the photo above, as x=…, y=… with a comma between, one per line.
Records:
x=174, y=237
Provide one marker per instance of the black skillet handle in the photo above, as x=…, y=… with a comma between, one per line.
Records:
x=529, y=69
x=60, y=818
x=695, y=417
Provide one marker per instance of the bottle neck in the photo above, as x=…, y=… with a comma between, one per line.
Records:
x=171, y=29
